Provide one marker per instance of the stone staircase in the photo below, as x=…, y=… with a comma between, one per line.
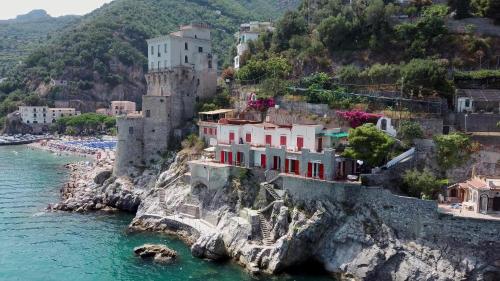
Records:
x=265, y=229
x=270, y=189
x=162, y=202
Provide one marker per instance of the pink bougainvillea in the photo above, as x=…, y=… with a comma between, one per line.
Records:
x=261, y=104
x=358, y=118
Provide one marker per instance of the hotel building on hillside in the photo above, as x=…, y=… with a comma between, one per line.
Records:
x=299, y=150
x=44, y=115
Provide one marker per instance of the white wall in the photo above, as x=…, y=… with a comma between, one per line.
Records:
x=309, y=134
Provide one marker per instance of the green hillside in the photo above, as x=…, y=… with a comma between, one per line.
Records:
x=20, y=36
x=103, y=57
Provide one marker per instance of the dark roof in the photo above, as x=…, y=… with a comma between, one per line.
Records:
x=480, y=94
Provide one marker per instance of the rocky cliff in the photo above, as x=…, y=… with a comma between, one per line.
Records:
x=365, y=234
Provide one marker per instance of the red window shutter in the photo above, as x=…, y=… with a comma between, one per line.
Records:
x=230, y=160
x=205, y=131
x=297, y=172
x=322, y=171
x=222, y=157
x=231, y=137
x=287, y=164
x=283, y=140
x=275, y=163
x=248, y=138
x=263, y=161
x=309, y=170
x=238, y=158
x=320, y=144
x=215, y=131
x=300, y=143
x=269, y=139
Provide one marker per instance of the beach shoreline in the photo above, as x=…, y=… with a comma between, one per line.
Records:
x=67, y=146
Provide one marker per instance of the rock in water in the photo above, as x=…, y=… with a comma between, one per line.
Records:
x=159, y=253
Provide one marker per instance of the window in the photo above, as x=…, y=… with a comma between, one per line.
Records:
x=248, y=138
x=467, y=103
x=158, y=65
x=231, y=137
x=383, y=125
x=186, y=46
x=152, y=66
x=209, y=63
x=186, y=59
x=269, y=139
x=300, y=143
x=283, y=140
x=152, y=50
x=131, y=130
x=159, y=54
x=205, y=131
x=165, y=48
x=200, y=49
x=148, y=113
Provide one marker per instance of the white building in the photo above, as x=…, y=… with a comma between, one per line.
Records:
x=190, y=46
x=44, y=115
x=249, y=32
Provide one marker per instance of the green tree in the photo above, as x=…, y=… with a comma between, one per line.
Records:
x=349, y=73
x=425, y=76
x=408, y=131
x=292, y=23
x=337, y=32
x=453, y=149
x=422, y=184
x=369, y=144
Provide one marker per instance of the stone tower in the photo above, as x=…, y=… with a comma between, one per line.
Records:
x=182, y=70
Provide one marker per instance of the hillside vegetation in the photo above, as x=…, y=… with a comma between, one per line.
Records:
x=20, y=36
x=104, y=56
x=378, y=44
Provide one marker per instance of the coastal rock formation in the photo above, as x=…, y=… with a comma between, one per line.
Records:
x=361, y=235
x=210, y=247
x=159, y=253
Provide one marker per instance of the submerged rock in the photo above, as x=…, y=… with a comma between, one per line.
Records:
x=159, y=253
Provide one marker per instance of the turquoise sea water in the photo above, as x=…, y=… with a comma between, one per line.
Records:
x=37, y=245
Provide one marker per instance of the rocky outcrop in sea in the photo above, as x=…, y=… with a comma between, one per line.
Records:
x=355, y=240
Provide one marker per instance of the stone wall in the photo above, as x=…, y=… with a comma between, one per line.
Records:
x=430, y=126
x=478, y=122
x=410, y=217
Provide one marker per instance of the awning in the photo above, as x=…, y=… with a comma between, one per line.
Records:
x=218, y=111
x=339, y=135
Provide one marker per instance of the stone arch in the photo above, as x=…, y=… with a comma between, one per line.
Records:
x=199, y=190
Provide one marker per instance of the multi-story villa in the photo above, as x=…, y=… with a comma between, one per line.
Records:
x=44, y=115
x=300, y=150
x=249, y=32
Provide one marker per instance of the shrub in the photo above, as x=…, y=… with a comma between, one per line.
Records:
x=369, y=144
x=409, y=131
x=358, y=118
x=422, y=184
x=453, y=149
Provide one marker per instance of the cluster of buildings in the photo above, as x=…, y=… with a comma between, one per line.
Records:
x=43, y=115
